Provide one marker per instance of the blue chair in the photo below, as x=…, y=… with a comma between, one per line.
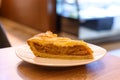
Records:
x=4, y=42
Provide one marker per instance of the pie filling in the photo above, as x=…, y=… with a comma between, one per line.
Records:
x=79, y=50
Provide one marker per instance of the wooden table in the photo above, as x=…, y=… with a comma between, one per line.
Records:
x=13, y=68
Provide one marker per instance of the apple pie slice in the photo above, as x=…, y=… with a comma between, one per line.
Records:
x=49, y=45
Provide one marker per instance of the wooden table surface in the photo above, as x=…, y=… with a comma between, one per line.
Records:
x=13, y=68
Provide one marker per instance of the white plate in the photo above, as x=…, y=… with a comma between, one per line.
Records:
x=26, y=54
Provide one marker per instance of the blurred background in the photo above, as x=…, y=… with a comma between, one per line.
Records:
x=98, y=20
x=95, y=21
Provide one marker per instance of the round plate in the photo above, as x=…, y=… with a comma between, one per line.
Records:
x=26, y=54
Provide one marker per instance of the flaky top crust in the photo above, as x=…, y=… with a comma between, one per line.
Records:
x=50, y=38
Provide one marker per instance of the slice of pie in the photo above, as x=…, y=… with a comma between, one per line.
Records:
x=49, y=45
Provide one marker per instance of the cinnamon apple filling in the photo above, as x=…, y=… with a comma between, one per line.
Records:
x=55, y=50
